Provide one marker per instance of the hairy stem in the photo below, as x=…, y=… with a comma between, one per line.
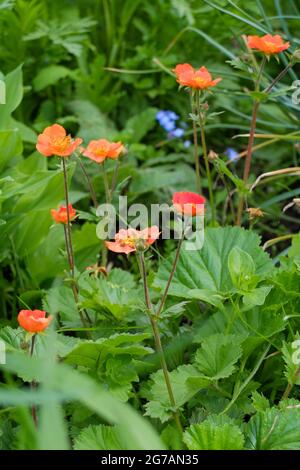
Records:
x=158, y=345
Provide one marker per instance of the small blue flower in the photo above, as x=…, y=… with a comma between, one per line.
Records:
x=231, y=153
x=177, y=132
x=160, y=115
x=187, y=143
x=168, y=125
x=171, y=115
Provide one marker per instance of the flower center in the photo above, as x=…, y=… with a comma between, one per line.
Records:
x=62, y=143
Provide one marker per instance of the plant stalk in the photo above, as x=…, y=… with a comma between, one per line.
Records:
x=206, y=162
x=69, y=246
x=33, y=384
x=158, y=345
x=196, y=150
x=89, y=183
x=171, y=275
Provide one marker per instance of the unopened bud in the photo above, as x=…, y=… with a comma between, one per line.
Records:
x=213, y=155
x=254, y=213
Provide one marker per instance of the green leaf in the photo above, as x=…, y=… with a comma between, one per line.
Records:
x=86, y=246
x=291, y=356
x=14, y=94
x=99, y=438
x=64, y=382
x=259, y=95
x=139, y=125
x=183, y=388
x=215, y=433
x=92, y=122
x=241, y=268
x=208, y=268
x=275, y=429
x=60, y=300
x=256, y=297
x=93, y=354
x=10, y=147
x=260, y=402
x=49, y=76
x=218, y=355
x=153, y=179
x=116, y=294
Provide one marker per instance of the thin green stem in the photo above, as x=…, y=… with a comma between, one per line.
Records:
x=291, y=385
x=108, y=200
x=89, y=183
x=114, y=179
x=206, y=161
x=279, y=77
x=196, y=149
x=256, y=103
x=157, y=341
x=171, y=275
x=69, y=246
x=33, y=384
x=106, y=186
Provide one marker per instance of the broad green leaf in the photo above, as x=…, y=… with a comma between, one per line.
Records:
x=99, y=437
x=10, y=147
x=93, y=354
x=60, y=300
x=215, y=433
x=154, y=179
x=138, y=126
x=117, y=294
x=93, y=123
x=86, y=246
x=291, y=356
x=208, y=268
x=14, y=95
x=275, y=429
x=136, y=432
x=256, y=297
x=184, y=389
x=49, y=76
x=241, y=268
x=218, y=355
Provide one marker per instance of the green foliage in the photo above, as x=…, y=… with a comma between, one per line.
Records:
x=230, y=323
x=215, y=433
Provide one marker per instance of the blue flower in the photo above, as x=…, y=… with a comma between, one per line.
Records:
x=177, y=132
x=168, y=125
x=231, y=153
x=171, y=115
x=187, y=143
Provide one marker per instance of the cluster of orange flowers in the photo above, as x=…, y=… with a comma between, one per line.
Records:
x=55, y=141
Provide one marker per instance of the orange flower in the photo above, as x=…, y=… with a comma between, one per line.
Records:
x=99, y=150
x=268, y=44
x=127, y=241
x=34, y=321
x=55, y=141
x=60, y=216
x=189, y=203
x=199, y=79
